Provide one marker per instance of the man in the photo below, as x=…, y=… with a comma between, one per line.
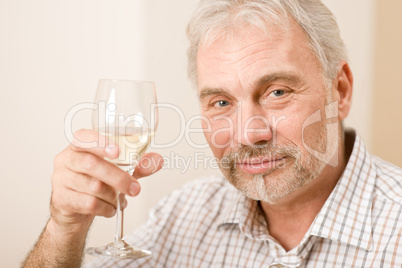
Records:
x=274, y=84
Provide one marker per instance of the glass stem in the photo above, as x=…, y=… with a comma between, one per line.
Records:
x=119, y=217
x=120, y=210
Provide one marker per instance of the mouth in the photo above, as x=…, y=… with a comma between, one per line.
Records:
x=260, y=165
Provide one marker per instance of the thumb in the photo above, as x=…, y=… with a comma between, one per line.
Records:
x=148, y=165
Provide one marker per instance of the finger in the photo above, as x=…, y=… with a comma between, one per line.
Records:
x=91, y=141
x=87, y=185
x=68, y=202
x=99, y=168
x=148, y=164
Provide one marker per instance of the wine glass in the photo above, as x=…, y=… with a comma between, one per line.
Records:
x=127, y=114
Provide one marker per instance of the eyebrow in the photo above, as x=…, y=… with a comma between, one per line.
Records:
x=289, y=78
x=207, y=91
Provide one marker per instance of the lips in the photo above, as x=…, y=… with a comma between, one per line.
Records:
x=259, y=165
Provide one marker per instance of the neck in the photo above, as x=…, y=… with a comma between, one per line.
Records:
x=290, y=218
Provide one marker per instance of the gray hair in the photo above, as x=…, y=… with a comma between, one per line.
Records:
x=215, y=16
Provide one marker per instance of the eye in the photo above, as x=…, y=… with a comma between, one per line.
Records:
x=221, y=103
x=277, y=97
x=278, y=93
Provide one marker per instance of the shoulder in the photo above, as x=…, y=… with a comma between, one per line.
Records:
x=388, y=180
x=206, y=186
x=206, y=191
x=387, y=206
x=196, y=205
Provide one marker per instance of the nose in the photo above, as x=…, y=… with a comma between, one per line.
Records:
x=253, y=127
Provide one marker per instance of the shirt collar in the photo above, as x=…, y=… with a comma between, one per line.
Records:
x=346, y=215
x=247, y=214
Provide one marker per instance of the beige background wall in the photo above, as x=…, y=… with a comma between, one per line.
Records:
x=387, y=107
x=53, y=52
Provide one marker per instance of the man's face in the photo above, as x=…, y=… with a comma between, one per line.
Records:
x=257, y=91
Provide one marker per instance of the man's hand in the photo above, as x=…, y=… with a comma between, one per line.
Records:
x=84, y=185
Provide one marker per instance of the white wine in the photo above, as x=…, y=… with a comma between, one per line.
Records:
x=132, y=141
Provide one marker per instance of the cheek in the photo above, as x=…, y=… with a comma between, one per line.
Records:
x=288, y=128
x=284, y=121
x=305, y=129
x=218, y=134
x=314, y=137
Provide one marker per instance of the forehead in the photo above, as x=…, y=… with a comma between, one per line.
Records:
x=250, y=53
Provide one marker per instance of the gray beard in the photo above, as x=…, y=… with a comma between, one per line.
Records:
x=269, y=187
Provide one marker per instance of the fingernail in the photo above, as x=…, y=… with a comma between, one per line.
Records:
x=134, y=189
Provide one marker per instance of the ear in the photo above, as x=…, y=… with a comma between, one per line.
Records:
x=342, y=90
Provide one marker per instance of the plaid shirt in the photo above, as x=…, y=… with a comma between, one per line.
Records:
x=208, y=223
